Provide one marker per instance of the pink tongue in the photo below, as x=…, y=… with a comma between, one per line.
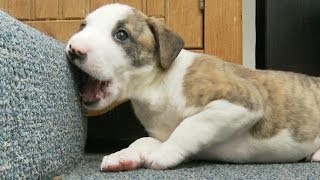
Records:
x=92, y=91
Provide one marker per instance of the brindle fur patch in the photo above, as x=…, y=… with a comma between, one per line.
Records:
x=169, y=44
x=287, y=100
x=140, y=45
x=150, y=41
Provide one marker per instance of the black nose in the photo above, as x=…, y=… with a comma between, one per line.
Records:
x=76, y=54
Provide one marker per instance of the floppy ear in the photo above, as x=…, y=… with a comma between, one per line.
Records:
x=168, y=43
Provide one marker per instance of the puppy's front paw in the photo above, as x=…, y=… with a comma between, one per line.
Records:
x=165, y=157
x=124, y=160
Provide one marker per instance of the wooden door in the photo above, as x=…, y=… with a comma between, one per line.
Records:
x=223, y=29
x=216, y=30
x=1, y=4
x=186, y=18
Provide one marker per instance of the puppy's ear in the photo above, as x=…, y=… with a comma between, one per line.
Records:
x=168, y=43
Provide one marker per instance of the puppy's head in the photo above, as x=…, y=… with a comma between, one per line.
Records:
x=115, y=44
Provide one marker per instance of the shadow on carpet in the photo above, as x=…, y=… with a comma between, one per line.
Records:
x=89, y=169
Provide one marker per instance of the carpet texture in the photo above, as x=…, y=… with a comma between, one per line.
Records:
x=42, y=127
x=89, y=170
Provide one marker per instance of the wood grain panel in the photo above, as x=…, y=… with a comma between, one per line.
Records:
x=155, y=8
x=47, y=9
x=162, y=20
x=74, y=8
x=223, y=31
x=20, y=9
x=186, y=18
x=94, y=4
x=197, y=50
x=2, y=5
x=138, y=4
x=61, y=30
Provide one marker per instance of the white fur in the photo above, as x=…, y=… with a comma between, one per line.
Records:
x=218, y=122
x=316, y=156
x=108, y=62
x=218, y=131
x=246, y=149
x=164, y=100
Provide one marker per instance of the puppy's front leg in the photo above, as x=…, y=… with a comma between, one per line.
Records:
x=130, y=158
x=219, y=121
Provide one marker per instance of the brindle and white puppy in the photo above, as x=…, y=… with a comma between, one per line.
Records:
x=192, y=105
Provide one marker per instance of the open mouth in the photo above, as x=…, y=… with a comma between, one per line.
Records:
x=93, y=90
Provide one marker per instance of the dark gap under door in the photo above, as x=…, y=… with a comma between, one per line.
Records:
x=288, y=35
x=114, y=130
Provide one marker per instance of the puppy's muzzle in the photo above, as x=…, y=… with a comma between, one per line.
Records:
x=74, y=54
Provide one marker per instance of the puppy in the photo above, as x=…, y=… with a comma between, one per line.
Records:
x=194, y=106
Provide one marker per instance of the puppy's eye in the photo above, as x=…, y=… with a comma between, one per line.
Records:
x=82, y=26
x=121, y=35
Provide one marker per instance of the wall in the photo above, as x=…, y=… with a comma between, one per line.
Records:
x=249, y=33
x=217, y=30
x=61, y=18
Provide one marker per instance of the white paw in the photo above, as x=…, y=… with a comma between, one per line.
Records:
x=164, y=158
x=124, y=160
x=315, y=156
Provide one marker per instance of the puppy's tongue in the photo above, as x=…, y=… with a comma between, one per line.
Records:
x=92, y=90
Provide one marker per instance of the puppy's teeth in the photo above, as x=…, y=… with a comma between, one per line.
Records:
x=98, y=96
x=108, y=83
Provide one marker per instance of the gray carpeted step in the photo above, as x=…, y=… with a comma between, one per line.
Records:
x=42, y=124
x=89, y=169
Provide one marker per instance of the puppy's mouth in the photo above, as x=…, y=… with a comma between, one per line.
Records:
x=93, y=90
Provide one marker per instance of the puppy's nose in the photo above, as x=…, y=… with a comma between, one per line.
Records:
x=76, y=53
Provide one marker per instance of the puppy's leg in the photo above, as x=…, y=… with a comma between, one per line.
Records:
x=218, y=122
x=130, y=158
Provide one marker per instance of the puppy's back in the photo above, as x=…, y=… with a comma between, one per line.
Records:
x=288, y=101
